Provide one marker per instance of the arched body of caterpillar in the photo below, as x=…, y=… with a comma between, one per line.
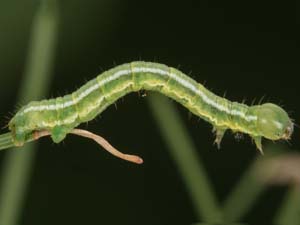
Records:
x=59, y=116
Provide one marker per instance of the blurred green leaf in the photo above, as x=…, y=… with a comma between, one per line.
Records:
x=186, y=158
x=18, y=163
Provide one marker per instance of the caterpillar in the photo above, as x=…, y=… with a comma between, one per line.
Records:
x=60, y=116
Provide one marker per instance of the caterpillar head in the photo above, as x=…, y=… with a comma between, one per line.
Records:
x=273, y=122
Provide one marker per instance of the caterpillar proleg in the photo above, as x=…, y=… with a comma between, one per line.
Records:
x=59, y=116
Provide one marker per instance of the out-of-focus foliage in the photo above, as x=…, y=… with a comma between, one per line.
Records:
x=247, y=49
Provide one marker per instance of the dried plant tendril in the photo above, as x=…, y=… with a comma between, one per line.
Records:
x=58, y=117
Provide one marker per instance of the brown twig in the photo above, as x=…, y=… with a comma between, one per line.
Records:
x=100, y=140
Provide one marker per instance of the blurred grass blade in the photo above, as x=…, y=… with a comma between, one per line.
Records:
x=243, y=195
x=289, y=211
x=18, y=163
x=248, y=188
x=225, y=223
x=186, y=157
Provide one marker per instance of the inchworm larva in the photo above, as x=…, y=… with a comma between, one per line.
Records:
x=58, y=117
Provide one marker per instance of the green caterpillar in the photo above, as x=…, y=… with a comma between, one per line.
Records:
x=59, y=116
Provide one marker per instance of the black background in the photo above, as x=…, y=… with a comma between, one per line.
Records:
x=248, y=49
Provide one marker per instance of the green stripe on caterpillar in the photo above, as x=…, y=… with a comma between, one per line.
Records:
x=59, y=116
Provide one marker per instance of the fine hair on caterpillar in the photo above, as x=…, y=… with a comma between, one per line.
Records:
x=60, y=116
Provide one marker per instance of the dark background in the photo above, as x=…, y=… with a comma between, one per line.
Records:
x=248, y=49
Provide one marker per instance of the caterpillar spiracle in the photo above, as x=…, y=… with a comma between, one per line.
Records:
x=59, y=116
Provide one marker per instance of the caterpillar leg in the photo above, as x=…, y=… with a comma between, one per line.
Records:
x=59, y=133
x=257, y=141
x=20, y=138
x=100, y=140
x=219, y=135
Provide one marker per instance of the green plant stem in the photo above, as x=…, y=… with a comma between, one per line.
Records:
x=18, y=163
x=243, y=195
x=186, y=157
x=6, y=141
x=248, y=188
x=289, y=211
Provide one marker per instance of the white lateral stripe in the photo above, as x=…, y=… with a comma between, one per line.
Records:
x=121, y=73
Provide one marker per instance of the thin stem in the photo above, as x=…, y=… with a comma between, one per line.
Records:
x=17, y=165
x=100, y=140
x=6, y=141
x=108, y=147
x=248, y=188
x=288, y=212
x=187, y=159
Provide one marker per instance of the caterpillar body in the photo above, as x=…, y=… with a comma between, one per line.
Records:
x=59, y=116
